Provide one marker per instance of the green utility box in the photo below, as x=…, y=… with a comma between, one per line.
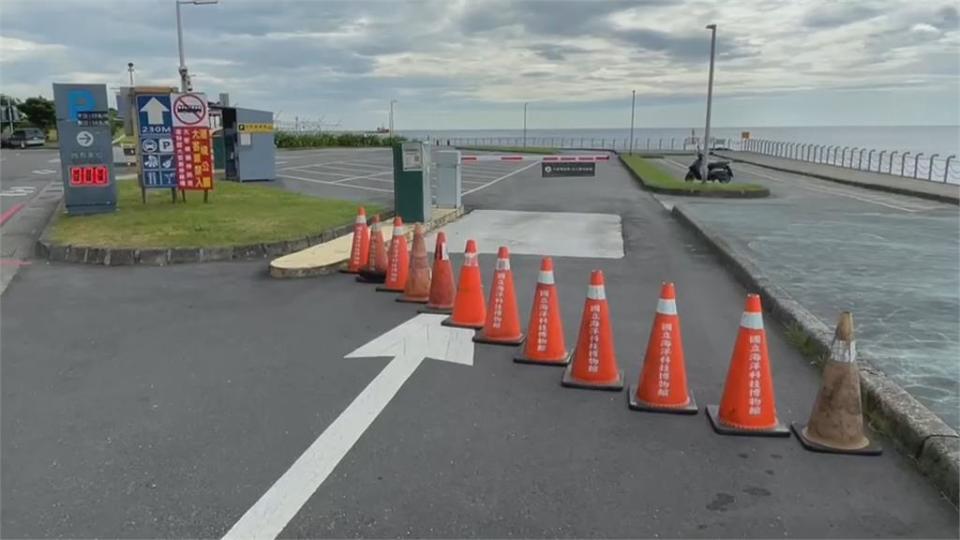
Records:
x=411, y=181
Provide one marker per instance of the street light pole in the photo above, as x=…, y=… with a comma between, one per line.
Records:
x=706, y=131
x=633, y=109
x=130, y=71
x=185, y=85
x=392, y=101
x=525, y=126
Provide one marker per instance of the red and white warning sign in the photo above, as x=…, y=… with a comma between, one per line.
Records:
x=190, y=110
x=192, y=143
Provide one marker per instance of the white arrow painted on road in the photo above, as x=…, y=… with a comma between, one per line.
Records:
x=409, y=344
x=154, y=110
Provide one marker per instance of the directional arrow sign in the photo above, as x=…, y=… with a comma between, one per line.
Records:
x=84, y=138
x=154, y=110
x=409, y=344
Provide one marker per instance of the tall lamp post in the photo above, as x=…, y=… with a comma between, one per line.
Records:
x=392, y=101
x=525, y=126
x=130, y=71
x=633, y=109
x=185, y=85
x=706, y=130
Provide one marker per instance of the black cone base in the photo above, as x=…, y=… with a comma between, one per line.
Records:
x=570, y=382
x=633, y=403
x=713, y=414
x=872, y=449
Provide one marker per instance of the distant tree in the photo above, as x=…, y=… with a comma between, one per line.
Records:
x=40, y=111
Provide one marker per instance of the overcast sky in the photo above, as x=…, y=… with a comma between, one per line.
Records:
x=471, y=64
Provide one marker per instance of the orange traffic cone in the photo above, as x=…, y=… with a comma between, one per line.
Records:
x=417, y=289
x=502, y=325
x=442, y=289
x=748, y=406
x=376, y=268
x=360, y=249
x=468, y=308
x=836, y=421
x=594, y=364
x=398, y=260
x=545, y=343
x=663, y=379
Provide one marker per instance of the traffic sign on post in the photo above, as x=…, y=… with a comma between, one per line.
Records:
x=158, y=164
x=191, y=141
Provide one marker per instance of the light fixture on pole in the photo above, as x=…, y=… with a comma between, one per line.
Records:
x=525, y=125
x=633, y=109
x=706, y=131
x=130, y=71
x=185, y=84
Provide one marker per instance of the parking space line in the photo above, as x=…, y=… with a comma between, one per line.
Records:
x=369, y=176
x=504, y=177
x=315, y=181
x=355, y=169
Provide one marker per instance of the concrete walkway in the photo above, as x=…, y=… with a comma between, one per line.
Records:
x=926, y=189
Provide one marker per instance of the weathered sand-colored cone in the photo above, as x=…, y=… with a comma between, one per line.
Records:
x=836, y=421
x=418, y=279
x=359, y=250
x=442, y=288
x=398, y=260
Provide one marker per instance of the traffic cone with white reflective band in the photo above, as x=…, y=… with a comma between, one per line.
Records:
x=417, y=289
x=663, y=380
x=836, y=421
x=502, y=325
x=468, y=308
x=398, y=260
x=748, y=406
x=360, y=249
x=442, y=288
x=376, y=268
x=545, y=343
x=594, y=365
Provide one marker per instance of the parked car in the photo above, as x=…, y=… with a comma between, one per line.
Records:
x=24, y=137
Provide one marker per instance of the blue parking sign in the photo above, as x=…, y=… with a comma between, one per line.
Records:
x=158, y=164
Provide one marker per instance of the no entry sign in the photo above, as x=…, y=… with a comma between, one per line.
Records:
x=191, y=142
x=190, y=110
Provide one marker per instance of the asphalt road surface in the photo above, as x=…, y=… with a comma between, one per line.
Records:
x=367, y=174
x=24, y=173
x=892, y=259
x=164, y=402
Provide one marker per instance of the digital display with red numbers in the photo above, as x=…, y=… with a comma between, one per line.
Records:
x=89, y=176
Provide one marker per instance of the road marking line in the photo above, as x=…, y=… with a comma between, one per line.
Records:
x=408, y=345
x=315, y=181
x=492, y=182
x=16, y=263
x=340, y=181
x=10, y=212
x=43, y=172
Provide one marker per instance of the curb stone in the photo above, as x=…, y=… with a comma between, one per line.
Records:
x=874, y=187
x=915, y=430
x=47, y=249
x=745, y=194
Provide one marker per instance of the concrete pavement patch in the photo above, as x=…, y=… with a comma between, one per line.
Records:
x=890, y=408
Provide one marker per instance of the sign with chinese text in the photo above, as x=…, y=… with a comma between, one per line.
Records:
x=191, y=141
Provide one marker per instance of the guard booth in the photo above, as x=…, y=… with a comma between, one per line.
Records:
x=248, y=146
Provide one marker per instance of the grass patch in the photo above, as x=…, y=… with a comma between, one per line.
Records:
x=237, y=214
x=798, y=338
x=512, y=149
x=655, y=177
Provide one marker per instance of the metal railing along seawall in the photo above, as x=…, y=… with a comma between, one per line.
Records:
x=933, y=167
x=676, y=144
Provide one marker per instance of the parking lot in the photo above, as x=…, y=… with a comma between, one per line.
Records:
x=367, y=174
